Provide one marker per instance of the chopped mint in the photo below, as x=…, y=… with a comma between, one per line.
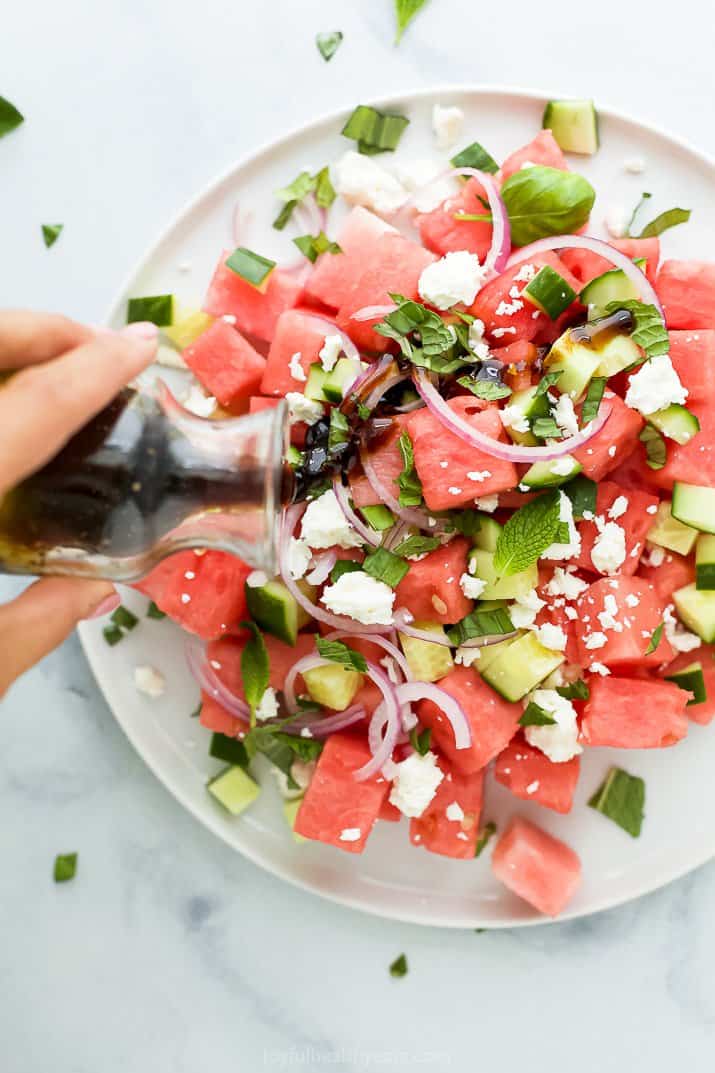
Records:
x=324, y=190
x=421, y=740
x=10, y=118
x=582, y=493
x=648, y=328
x=622, y=799
x=197, y=711
x=364, y=412
x=311, y=246
x=386, y=566
x=405, y=11
x=408, y=482
x=124, y=618
x=374, y=131
x=399, y=966
x=655, y=446
x=337, y=652
x=536, y=716
x=304, y=184
x=645, y=196
x=344, y=566
x=435, y=349
x=230, y=750
x=250, y=266
x=466, y=522
x=664, y=221
x=527, y=534
x=416, y=545
x=491, y=390
x=50, y=233
x=480, y=624
x=153, y=611
x=655, y=640
x=545, y=201
x=548, y=380
x=281, y=748
x=65, y=867
x=545, y=428
x=328, y=44
x=591, y=403
x=488, y=832
x=112, y=635
x=157, y=308
x=577, y=690
x=476, y=156
x=339, y=432
x=254, y=668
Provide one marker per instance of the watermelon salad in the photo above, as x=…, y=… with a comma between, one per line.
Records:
x=500, y=552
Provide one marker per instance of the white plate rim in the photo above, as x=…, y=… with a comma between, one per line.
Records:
x=91, y=650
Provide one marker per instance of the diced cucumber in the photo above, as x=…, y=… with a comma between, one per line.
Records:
x=378, y=517
x=611, y=286
x=290, y=813
x=676, y=423
x=427, y=661
x=576, y=362
x=697, y=610
x=293, y=456
x=531, y=405
x=186, y=330
x=234, y=789
x=695, y=506
x=574, y=125
x=332, y=686
x=330, y=387
x=549, y=292
x=519, y=668
x=541, y=474
x=488, y=534
x=481, y=564
x=616, y=354
x=273, y=608
x=668, y=532
x=705, y=563
x=691, y=679
x=489, y=653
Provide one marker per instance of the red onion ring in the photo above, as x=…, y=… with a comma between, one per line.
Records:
x=388, y=646
x=373, y=312
x=329, y=327
x=595, y=245
x=411, y=515
x=506, y=451
x=329, y=724
x=411, y=692
x=386, y=715
x=377, y=392
x=307, y=663
x=324, y=563
x=343, y=498
x=440, y=639
x=209, y=681
x=500, y=248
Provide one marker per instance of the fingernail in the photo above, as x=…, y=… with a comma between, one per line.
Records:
x=141, y=329
x=108, y=604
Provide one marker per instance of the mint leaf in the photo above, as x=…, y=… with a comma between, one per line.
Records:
x=408, y=482
x=337, y=652
x=577, y=690
x=655, y=640
x=488, y=832
x=434, y=345
x=527, y=534
x=654, y=441
x=416, y=545
x=466, y=522
x=254, y=667
x=547, y=380
x=546, y=428
x=399, y=966
x=622, y=799
x=582, y=493
x=405, y=11
x=664, y=221
x=480, y=624
x=592, y=402
x=544, y=201
x=311, y=246
x=386, y=566
x=65, y=863
x=328, y=44
x=339, y=431
x=476, y=156
x=536, y=716
x=421, y=741
x=491, y=390
x=50, y=233
x=648, y=327
x=10, y=118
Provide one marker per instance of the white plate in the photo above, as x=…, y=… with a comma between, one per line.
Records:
x=392, y=878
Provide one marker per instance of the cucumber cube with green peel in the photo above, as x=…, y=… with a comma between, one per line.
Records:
x=549, y=292
x=233, y=789
x=487, y=535
x=531, y=405
x=694, y=505
x=691, y=679
x=551, y=474
x=332, y=686
x=481, y=565
x=676, y=423
x=577, y=362
x=427, y=660
x=705, y=563
x=275, y=610
x=696, y=609
x=574, y=125
x=520, y=667
x=668, y=532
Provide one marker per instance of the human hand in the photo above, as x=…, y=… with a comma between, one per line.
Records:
x=68, y=373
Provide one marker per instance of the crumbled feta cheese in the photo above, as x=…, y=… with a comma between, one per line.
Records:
x=656, y=556
x=571, y=613
x=558, y=741
x=487, y=503
x=609, y=549
x=499, y=333
x=455, y=278
x=362, y=181
x=299, y=556
x=351, y=834
x=595, y=640
x=476, y=341
x=680, y=639
x=565, y=416
x=230, y=318
x=634, y=165
x=617, y=221
x=479, y=475
x=302, y=409
x=447, y=123
x=467, y=656
x=416, y=781
x=268, y=708
x=525, y=274
x=455, y=812
x=654, y=386
x=525, y=608
x=527, y=164
x=599, y=668
x=472, y=587
x=513, y=417
x=564, y=583
x=573, y=548
x=533, y=787
x=296, y=369
x=508, y=309
x=562, y=466
x=632, y=600
x=330, y=352
x=149, y=681
x=197, y=403
x=454, y=491
x=551, y=636
x=618, y=508
x=257, y=579
x=362, y=597
x=324, y=524
x=390, y=669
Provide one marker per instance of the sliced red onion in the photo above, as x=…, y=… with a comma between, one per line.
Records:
x=328, y=724
x=324, y=563
x=440, y=639
x=388, y=646
x=307, y=663
x=210, y=682
x=386, y=716
x=373, y=312
x=595, y=245
x=408, y=407
x=500, y=248
x=343, y=497
x=506, y=451
x=381, y=389
x=329, y=327
x=411, y=692
x=411, y=515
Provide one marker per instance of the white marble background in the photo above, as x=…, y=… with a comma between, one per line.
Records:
x=169, y=954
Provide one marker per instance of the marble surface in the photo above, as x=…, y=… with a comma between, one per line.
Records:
x=168, y=953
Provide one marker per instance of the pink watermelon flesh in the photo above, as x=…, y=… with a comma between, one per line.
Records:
x=687, y=292
x=704, y=712
x=213, y=583
x=434, y=831
x=430, y=589
x=693, y=462
x=442, y=233
x=628, y=647
x=509, y=317
x=693, y=356
x=623, y=714
x=675, y=572
x=256, y=311
x=586, y=265
x=296, y=333
x=334, y=274
x=539, y=868
x=226, y=364
x=635, y=523
x=214, y=717
x=543, y=149
x=614, y=443
x=532, y=776
x=387, y=463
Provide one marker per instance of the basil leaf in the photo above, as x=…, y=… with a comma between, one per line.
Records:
x=536, y=716
x=344, y=566
x=405, y=11
x=250, y=266
x=230, y=750
x=328, y=44
x=648, y=328
x=10, y=118
x=491, y=390
x=466, y=522
x=50, y=233
x=582, y=493
x=655, y=640
x=311, y=246
x=157, y=308
x=408, y=482
x=480, y=624
x=112, y=635
x=577, y=690
x=475, y=156
x=65, y=863
x=664, y=221
x=622, y=799
x=339, y=432
x=548, y=380
x=544, y=201
x=546, y=428
x=416, y=545
x=254, y=667
x=527, y=534
x=655, y=446
x=591, y=403
x=324, y=190
x=124, y=618
x=153, y=611
x=488, y=832
x=303, y=184
x=374, y=131
x=385, y=566
x=399, y=965
x=421, y=741
x=337, y=652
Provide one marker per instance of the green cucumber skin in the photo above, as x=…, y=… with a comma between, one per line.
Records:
x=693, y=682
x=694, y=506
x=553, y=119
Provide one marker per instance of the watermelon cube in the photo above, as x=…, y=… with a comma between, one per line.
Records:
x=204, y=593
x=215, y=718
x=532, y=776
x=493, y=721
x=633, y=605
x=335, y=273
x=226, y=365
x=394, y=265
x=442, y=233
x=336, y=808
x=675, y=572
x=687, y=292
x=387, y=462
x=508, y=317
x=586, y=265
x=225, y=657
x=539, y=868
x=430, y=590
x=296, y=332
x=453, y=473
x=614, y=443
x=635, y=523
x=693, y=356
x=702, y=713
x=256, y=311
x=543, y=149
x=435, y=830
x=693, y=462
x=622, y=714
